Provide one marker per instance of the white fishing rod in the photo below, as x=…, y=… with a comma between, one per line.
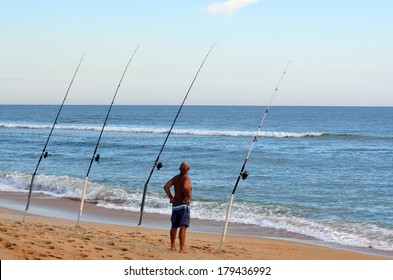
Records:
x=243, y=173
x=96, y=157
x=157, y=163
x=44, y=153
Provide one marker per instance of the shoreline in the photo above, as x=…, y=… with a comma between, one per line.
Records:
x=60, y=214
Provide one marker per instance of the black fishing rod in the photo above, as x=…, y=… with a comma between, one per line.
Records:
x=44, y=153
x=243, y=173
x=96, y=157
x=158, y=164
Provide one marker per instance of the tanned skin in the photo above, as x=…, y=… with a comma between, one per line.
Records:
x=183, y=188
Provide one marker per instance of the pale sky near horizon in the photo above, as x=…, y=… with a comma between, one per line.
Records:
x=341, y=51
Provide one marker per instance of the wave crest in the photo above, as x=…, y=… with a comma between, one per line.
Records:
x=152, y=130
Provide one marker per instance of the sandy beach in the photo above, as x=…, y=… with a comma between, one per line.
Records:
x=53, y=238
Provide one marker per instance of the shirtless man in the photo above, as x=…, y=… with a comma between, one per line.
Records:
x=180, y=206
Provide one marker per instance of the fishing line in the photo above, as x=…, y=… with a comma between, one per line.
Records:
x=96, y=157
x=243, y=173
x=158, y=164
x=44, y=153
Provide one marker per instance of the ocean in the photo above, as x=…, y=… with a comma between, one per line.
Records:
x=324, y=173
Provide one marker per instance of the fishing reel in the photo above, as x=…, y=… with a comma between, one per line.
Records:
x=45, y=154
x=159, y=165
x=97, y=158
x=244, y=175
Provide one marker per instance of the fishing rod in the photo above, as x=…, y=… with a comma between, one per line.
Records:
x=158, y=164
x=243, y=173
x=44, y=153
x=96, y=157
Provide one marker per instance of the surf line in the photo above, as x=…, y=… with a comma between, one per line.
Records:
x=243, y=173
x=158, y=164
x=44, y=153
x=96, y=157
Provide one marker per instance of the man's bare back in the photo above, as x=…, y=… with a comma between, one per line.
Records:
x=182, y=186
x=182, y=189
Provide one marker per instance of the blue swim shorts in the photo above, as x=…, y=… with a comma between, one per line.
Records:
x=180, y=215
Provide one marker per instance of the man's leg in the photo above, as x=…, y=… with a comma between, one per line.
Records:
x=182, y=239
x=173, y=234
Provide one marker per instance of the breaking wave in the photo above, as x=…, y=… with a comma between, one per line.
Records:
x=151, y=130
x=197, y=132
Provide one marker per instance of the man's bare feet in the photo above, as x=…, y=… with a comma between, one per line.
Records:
x=183, y=251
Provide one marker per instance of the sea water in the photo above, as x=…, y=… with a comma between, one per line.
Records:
x=322, y=172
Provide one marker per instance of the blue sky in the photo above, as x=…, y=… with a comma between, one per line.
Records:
x=341, y=51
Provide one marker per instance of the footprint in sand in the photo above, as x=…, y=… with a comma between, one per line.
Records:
x=10, y=246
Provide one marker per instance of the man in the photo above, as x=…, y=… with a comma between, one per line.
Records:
x=180, y=206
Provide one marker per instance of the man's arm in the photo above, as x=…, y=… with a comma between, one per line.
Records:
x=167, y=187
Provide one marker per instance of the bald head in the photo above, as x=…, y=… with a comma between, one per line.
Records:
x=184, y=168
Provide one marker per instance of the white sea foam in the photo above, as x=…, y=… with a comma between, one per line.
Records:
x=153, y=130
